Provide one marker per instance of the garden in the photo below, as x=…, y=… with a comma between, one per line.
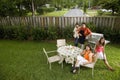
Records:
x=25, y=60
x=28, y=26
x=22, y=57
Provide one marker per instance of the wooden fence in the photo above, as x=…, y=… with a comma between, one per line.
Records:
x=37, y=21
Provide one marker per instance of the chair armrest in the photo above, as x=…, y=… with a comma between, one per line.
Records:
x=106, y=41
x=51, y=51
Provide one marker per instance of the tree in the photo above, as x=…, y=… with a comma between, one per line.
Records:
x=109, y=4
x=85, y=7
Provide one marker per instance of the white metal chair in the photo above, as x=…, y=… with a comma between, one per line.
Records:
x=52, y=59
x=95, y=37
x=91, y=65
x=61, y=42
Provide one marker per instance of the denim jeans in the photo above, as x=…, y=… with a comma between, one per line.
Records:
x=76, y=41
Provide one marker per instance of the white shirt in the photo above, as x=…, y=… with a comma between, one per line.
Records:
x=75, y=35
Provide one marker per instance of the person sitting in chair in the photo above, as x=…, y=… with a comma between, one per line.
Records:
x=84, y=32
x=85, y=59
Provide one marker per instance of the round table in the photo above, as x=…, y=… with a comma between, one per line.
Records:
x=68, y=53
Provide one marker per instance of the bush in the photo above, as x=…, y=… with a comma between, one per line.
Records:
x=1, y=32
x=30, y=33
x=100, y=13
x=109, y=34
x=91, y=26
x=52, y=33
x=43, y=10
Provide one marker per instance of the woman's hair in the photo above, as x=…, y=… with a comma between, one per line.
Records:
x=84, y=23
x=89, y=47
x=100, y=41
x=76, y=24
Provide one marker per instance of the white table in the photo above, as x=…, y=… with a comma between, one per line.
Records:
x=68, y=53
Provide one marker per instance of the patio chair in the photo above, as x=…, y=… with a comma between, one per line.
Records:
x=95, y=37
x=61, y=42
x=91, y=65
x=55, y=58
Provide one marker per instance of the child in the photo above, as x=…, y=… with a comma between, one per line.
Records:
x=99, y=50
x=85, y=59
x=76, y=34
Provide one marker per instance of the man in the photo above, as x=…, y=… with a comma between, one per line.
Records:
x=84, y=32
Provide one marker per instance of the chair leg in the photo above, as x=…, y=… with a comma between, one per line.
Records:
x=62, y=65
x=50, y=66
x=79, y=70
x=92, y=72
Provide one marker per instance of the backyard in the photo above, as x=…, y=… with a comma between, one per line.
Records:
x=25, y=60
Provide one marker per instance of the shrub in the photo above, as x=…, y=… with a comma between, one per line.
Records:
x=1, y=32
x=91, y=26
x=43, y=10
x=109, y=34
x=100, y=12
x=52, y=33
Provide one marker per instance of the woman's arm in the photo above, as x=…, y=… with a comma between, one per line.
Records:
x=82, y=53
x=95, y=47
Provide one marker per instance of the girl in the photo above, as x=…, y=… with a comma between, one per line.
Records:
x=85, y=59
x=76, y=34
x=99, y=50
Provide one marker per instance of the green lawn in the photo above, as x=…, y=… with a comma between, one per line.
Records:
x=92, y=12
x=56, y=13
x=25, y=60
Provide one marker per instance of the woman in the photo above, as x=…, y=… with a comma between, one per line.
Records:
x=83, y=33
x=99, y=50
x=76, y=34
x=85, y=59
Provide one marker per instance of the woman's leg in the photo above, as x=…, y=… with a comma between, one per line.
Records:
x=76, y=41
x=76, y=66
x=100, y=55
x=107, y=64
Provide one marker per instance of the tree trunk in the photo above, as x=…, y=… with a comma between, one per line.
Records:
x=113, y=11
x=33, y=9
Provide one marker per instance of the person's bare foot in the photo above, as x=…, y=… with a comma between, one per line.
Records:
x=111, y=69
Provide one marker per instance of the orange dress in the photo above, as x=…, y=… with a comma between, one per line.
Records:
x=86, y=54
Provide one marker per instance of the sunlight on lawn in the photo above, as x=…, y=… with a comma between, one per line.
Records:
x=25, y=60
x=55, y=13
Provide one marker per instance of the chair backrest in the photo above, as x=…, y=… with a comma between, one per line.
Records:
x=61, y=42
x=95, y=37
x=91, y=65
x=45, y=52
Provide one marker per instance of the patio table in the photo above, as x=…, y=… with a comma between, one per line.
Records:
x=68, y=53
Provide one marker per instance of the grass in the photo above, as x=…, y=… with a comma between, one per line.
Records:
x=95, y=13
x=56, y=13
x=92, y=12
x=25, y=60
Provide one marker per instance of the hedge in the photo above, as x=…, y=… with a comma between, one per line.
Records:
x=30, y=33
x=52, y=33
